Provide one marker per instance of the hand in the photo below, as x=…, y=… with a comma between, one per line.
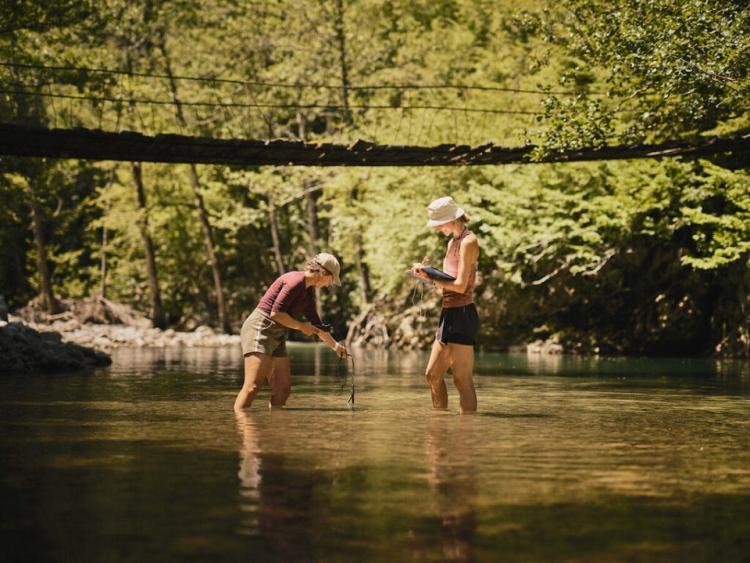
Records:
x=341, y=350
x=308, y=330
x=416, y=268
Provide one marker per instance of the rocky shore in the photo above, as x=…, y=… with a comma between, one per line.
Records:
x=107, y=337
x=23, y=349
x=105, y=325
x=83, y=333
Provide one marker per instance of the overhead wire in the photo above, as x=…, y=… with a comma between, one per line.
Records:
x=146, y=101
x=295, y=85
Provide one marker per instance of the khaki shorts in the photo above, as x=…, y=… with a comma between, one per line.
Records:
x=260, y=334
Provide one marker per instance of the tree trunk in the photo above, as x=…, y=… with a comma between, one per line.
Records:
x=45, y=282
x=208, y=241
x=343, y=65
x=364, y=274
x=103, y=262
x=365, y=289
x=26, y=114
x=208, y=238
x=311, y=210
x=312, y=235
x=275, y=235
x=157, y=316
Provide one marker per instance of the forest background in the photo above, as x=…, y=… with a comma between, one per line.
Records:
x=636, y=257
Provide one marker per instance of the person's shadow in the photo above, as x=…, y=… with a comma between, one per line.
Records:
x=451, y=476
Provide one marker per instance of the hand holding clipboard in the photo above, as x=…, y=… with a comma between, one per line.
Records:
x=428, y=273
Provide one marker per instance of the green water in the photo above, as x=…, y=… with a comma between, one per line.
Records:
x=568, y=460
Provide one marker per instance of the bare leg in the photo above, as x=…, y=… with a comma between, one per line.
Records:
x=438, y=364
x=281, y=381
x=257, y=367
x=462, y=369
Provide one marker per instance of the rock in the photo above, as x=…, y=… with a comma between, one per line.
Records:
x=105, y=324
x=24, y=349
x=51, y=337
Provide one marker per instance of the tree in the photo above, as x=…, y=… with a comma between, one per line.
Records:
x=669, y=69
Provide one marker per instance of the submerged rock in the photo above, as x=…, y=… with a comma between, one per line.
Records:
x=23, y=349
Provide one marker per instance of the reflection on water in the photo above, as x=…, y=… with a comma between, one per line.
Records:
x=249, y=473
x=451, y=475
x=277, y=505
x=568, y=459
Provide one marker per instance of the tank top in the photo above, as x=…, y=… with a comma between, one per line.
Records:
x=450, y=266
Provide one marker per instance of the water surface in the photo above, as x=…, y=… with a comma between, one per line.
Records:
x=569, y=459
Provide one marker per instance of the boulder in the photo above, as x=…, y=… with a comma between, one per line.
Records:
x=23, y=349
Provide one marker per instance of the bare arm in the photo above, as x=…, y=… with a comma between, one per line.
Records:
x=289, y=321
x=308, y=329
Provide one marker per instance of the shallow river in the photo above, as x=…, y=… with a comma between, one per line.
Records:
x=568, y=459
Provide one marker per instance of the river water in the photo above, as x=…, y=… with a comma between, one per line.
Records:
x=568, y=459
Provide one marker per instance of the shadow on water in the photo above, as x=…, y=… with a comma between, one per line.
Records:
x=514, y=415
x=619, y=528
x=319, y=409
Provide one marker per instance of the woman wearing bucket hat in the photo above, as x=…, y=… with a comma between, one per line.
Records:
x=457, y=331
x=265, y=331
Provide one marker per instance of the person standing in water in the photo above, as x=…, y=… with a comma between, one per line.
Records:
x=265, y=331
x=459, y=322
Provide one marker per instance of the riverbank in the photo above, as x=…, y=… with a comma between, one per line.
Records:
x=105, y=325
x=107, y=337
x=25, y=349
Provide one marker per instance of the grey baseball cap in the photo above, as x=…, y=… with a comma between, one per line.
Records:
x=331, y=264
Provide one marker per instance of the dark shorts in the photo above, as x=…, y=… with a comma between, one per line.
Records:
x=458, y=325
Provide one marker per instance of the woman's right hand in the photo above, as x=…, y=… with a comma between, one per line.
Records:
x=341, y=350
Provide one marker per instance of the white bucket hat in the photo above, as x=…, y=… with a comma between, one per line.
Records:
x=443, y=210
x=331, y=265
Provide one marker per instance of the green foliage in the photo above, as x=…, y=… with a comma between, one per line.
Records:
x=624, y=256
x=669, y=69
x=39, y=17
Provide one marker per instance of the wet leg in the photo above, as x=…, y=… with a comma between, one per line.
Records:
x=463, y=375
x=257, y=367
x=281, y=381
x=437, y=365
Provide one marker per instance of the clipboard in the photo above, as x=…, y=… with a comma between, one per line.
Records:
x=436, y=274
x=432, y=273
